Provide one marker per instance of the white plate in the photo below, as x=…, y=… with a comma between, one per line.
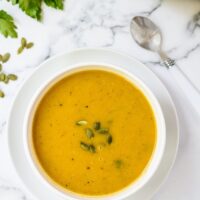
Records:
x=16, y=120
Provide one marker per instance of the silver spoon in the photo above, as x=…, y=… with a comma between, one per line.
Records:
x=149, y=36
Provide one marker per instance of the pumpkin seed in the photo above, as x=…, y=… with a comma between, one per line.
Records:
x=88, y=147
x=0, y=67
x=118, y=163
x=103, y=130
x=92, y=148
x=1, y=94
x=109, y=139
x=81, y=123
x=23, y=42
x=1, y=57
x=5, y=57
x=29, y=45
x=6, y=80
x=20, y=49
x=89, y=133
x=84, y=146
x=97, y=125
x=2, y=77
x=12, y=77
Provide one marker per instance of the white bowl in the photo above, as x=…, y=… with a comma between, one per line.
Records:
x=150, y=168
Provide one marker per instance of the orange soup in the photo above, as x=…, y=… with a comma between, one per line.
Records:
x=94, y=132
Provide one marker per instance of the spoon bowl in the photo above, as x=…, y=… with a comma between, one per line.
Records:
x=146, y=33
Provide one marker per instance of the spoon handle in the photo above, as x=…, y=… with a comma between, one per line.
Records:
x=190, y=90
x=166, y=61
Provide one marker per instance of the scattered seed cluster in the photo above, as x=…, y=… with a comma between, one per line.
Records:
x=5, y=78
x=24, y=45
x=90, y=133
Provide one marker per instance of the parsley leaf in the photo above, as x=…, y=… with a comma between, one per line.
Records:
x=31, y=7
x=14, y=1
x=7, y=26
x=58, y=4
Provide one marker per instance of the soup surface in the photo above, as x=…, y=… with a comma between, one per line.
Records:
x=94, y=132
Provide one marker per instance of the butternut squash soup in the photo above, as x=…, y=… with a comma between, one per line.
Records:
x=94, y=132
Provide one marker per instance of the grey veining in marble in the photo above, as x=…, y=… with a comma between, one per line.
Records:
x=105, y=23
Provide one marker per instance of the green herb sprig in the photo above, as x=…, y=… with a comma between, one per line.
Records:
x=7, y=26
x=33, y=8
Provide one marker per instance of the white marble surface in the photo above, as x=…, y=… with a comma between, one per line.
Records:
x=105, y=23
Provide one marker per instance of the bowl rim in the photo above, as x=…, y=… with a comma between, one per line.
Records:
x=137, y=82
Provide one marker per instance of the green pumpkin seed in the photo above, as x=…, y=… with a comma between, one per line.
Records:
x=5, y=57
x=84, y=146
x=29, y=45
x=12, y=77
x=6, y=80
x=23, y=42
x=2, y=77
x=0, y=67
x=81, y=123
x=92, y=148
x=1, y=94
x=103, y=130
x=20, y=50
x=1, y=57
x=89, y=133
x=88, y=147
x=118, y=163
x=97, y=125
x=109, y=139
